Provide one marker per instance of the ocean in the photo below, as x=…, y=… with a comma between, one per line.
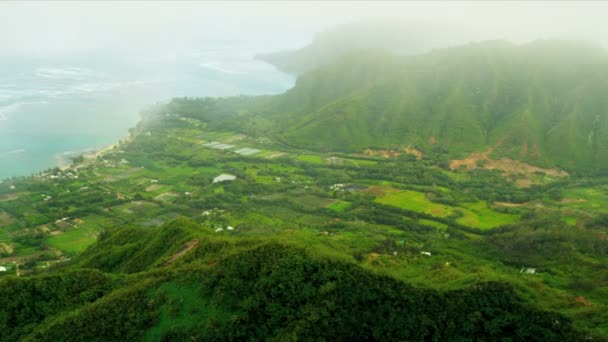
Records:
x=51, y=109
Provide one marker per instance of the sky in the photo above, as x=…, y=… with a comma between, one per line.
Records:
x=159, y=28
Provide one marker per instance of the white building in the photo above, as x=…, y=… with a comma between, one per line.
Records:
x=223, y=177
x=3, y=269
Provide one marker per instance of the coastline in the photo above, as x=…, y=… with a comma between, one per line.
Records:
x=92, y=155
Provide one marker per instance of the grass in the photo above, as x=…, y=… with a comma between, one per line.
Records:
x=594, y=199
x=4, y=237
x=476, y=214
x=438, y=225
x=311, y=159
x=414, y=200
x=313, y=202
x=339, y=206
x=74, y=241
x=571, y=220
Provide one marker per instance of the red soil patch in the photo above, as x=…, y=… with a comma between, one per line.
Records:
x=376, y=190
x=507, y=166
x=190, y=245
x=580, y=300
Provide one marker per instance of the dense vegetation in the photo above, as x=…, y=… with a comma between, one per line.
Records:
x=317, y=239
x=259, y=289
x=539, y=102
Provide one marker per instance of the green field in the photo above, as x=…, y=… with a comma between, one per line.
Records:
x=438, y=225
x=74, y=241
x=587, y=198
x=339, y=206
x=311, y=159
x=476, y=215
x=414, y=200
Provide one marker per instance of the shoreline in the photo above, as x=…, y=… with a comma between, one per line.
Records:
x=93, y=154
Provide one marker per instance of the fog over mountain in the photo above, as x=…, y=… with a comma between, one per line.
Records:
x=144, y=28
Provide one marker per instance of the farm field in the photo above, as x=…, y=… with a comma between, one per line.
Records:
x=476, y=215
x=379, y=212
x=74, y=241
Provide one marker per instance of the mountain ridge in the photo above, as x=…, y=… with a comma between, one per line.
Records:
x=522, y=100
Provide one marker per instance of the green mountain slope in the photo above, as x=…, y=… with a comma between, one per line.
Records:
x=540, y=102
x=395, y=36
x=252, y=289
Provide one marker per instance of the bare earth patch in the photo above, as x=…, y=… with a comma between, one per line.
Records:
x=379, y=190
x=6, y=248
x=190, y=245
x=275, y=155
x=234, y=138
x=153, y=187
x=375, y=190
x=371, y=257
x=165, y=196
x=5, y=218
x=573, y=200
x=415, y=152
x=510, y=205
x=8, y=197
x=520, y=171
x=381, y=153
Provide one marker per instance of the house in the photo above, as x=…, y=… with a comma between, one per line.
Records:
x=528, y=270
x=223, y=177
x=426, y=253
x=338, y=186
x=120, y=196
x=3, y=269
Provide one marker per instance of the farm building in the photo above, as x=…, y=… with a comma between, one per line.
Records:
x=223, y=177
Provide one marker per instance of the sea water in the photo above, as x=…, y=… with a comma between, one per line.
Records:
x=55, y=108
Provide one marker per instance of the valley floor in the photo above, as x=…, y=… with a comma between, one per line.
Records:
x=401, y=216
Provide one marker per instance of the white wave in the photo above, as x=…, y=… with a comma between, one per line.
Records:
x=217, y=67
x=6, y=97
x=13, y=107
x=4, y=111
x=69, y=73
x=13, y=152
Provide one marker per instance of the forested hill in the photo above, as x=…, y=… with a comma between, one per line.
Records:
x=542, y=102
x=179, y=283
x=393, y=36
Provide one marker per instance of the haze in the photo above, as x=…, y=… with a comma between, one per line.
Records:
x=166, y=30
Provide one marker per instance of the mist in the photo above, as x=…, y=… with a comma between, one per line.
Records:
x=74, y=75
x=168, y=30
